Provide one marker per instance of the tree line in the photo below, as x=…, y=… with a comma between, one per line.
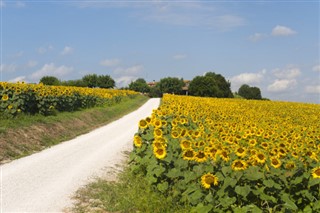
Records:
x=208, y=85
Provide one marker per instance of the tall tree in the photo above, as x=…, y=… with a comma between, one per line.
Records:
x=248, y=92
x=210, y=85
x=105, y=81
x=50, y=80
x=90, y=80
x=171, y=85
x=139, y=85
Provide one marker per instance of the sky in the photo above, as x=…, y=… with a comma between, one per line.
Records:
x=273, y=45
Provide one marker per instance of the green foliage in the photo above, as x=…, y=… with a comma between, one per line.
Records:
x=139, y=85
x=50, y=80
x=210, y=85
x=250, y=92
x=170, y=85
x=101, y=81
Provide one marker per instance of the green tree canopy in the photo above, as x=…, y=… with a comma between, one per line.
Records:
x=210, y=85
x=102, y=81
x=170, y=85
x=249, y=92
x=50, y=80
x=139, y=85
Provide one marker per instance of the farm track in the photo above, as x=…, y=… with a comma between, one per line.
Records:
x=45, y=181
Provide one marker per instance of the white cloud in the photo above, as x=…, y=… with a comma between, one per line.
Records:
x=248, y=78
x=51, y=70
x=110, y=62
x=282, y=31
x=257, y=37
x=45, y=49
x=124, y=81
x=31, y=63
x=287, y=73
x=313, y=89
x=316, y=68
x=8, y=67
x=282, y=85
x=179, y=56
x=130, y=71
x=67, y=50
x=19, y=78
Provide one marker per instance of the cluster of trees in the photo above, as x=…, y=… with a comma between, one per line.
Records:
x=248, y=92
x=208, y=85
x=90, y=80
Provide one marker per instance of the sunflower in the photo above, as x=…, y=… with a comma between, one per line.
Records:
x=241, y=152
x=185, y=144
x=252, y=142
x=238, y=165
x=175, y=134
x=188, y=154
x=143, y=124
x=137, y=141
x=275, y=162
x=5, y=97
x=290, y=165
x=260, y=158
x=200, y=156
x=157, y=123
x=316, y=172
x=208, y=179
x=10, y=106
x=160, y=153
x=157, y=133
x=224, y=155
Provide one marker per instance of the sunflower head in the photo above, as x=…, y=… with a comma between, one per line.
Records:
x=143, y=124
x=207, y=180
x=275, y=162
x=5, y=97
x=188, y=154
x=241, y=152
x=137, y=141
x=200, y=157
x=316, y=172
x=160, y=153
x=238, y=165
x=260, y=157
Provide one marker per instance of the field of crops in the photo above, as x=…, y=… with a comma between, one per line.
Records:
x=231, y=155
x=20, y=97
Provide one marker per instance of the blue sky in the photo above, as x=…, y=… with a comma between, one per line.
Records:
x=270, y=44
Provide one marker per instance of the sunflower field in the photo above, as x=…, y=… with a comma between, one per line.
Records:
x=232, y=155
x=16, y=98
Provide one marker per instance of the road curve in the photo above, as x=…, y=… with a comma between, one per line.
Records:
x=45, y=181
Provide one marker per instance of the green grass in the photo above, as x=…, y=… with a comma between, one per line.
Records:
x=27, y=134
x=131, y=193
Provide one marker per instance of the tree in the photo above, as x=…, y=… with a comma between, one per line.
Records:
x=105, y=81
x=90, y=80
x=249, y=92
x=50, y=80
x=139, y=85
x=210, y=85
x=170, y=85
x=102, y=81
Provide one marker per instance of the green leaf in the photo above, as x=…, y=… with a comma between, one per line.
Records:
x=314, y=181
x=195, y=197
x=228, y=181
x=158, y=171
x=253, y=173
x=174, y=173
x=307, y=209
x=269, y=183
x=162, y=187
x=297, y=180
x=201, y=208
x=288, y=202
x=227, y=201
x=226, y=170
x=243, y=190
x=316, y=205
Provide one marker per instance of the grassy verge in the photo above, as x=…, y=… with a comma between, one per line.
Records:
x=25, y=135
x=130, y=193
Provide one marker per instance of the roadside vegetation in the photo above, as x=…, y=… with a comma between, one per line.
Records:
x=23, y=133
x=217, y=155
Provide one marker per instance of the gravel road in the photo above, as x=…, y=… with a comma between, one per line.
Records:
x=45, y=181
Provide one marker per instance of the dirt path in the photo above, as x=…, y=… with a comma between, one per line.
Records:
x=44, y=182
